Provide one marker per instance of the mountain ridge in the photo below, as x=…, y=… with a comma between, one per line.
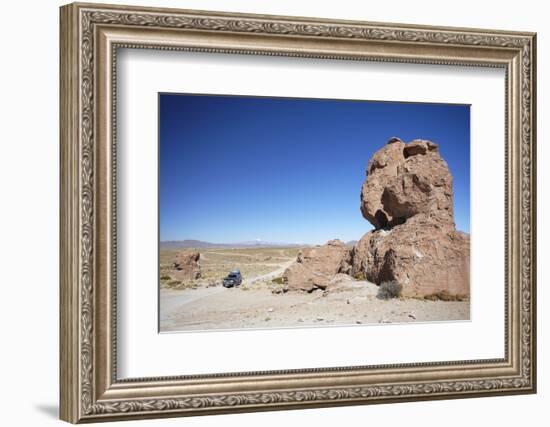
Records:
x=200, y=244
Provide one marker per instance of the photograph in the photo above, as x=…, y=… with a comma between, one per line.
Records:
x=305, y=212
x=346, y=208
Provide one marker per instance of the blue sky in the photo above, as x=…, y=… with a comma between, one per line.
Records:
x=236, y=169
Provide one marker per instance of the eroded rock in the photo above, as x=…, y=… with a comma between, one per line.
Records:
x=424, y=258
x=408, y=198
x=315, y=267
x=186, y=265
x=404, y=180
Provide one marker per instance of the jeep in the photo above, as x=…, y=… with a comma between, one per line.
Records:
x=234, y=278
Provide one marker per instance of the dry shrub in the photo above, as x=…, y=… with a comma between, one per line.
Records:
x=389, y=290
x=359, y=276
x=445, y=296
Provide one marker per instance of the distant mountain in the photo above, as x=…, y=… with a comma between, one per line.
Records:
x=182, y=244
x=352, y=243
x=199, y=244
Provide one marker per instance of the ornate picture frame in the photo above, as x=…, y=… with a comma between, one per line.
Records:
x=90, y=37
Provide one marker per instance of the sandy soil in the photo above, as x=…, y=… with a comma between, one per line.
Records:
x=235, y=308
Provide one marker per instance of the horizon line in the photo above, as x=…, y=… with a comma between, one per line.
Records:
x=272, y=242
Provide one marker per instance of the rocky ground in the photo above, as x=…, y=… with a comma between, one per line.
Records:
x=353, y=303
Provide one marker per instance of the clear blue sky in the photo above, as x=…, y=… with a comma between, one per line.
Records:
x=237, y=169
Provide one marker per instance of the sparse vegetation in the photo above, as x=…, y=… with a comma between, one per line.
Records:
x=359, y=276
x=165, y=277
x=389, y=290
x=174, y=283
x=217, y=262
x=278, y=281
x=445, y=296
x=179, y=284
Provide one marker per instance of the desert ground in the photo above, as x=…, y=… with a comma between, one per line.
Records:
x=259, y=303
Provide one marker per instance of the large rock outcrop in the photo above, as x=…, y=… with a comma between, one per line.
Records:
x=404, y=180
x=408, y=198
x=315, y=267
x=186, y=265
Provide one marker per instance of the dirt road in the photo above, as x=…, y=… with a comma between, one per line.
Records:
x=235, y=308
x=279, y=270
x=254, y=306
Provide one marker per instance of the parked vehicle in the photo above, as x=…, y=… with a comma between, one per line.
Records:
x=234, y=278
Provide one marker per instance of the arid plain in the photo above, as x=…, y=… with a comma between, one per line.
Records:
x=260, y=301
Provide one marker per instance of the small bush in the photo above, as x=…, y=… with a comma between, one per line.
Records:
x=165, y=277
x=359, y=276
x=389, y=290
x=174, y=283
x=278, y=280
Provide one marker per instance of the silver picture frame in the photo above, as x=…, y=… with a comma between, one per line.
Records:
x=90, y=37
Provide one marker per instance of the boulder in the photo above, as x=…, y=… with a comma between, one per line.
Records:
x=315, y=267
x=408, y=198
x=424, y=258
x=186, y=265
x=344, y=282
x=404, y=180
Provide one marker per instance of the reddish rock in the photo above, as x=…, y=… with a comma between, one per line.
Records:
x=408, y=198
x=424, y=258
x=187, y=266
x=404, y=180
x=315, y=267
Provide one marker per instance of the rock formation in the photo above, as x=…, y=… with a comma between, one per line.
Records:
x=408, y=198
x=186, y=265
x=315, y=267
x=404, y=180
